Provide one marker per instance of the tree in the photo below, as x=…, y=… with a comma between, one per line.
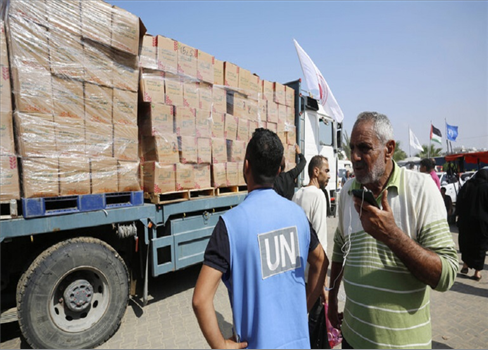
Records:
x=399, y=153
x=434, y=152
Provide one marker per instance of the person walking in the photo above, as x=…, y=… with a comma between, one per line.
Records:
x=427, y=167
x=390, y=256
x=447, y=203
x=259, y=250
x=472, y=211
x=285, y=182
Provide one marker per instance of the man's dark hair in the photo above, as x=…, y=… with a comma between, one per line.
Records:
x=427, y=163
x=315, y=162
x=264, y=153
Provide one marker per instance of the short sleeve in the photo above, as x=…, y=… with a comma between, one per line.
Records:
x=217, y=254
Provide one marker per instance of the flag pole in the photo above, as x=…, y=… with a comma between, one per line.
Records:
x=447, y=141
x=430, y=140
x=409, y=152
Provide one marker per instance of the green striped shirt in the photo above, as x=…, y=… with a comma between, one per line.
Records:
x=386, y=306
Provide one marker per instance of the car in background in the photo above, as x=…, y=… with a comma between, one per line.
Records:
x=467, y=175
x=452, y=184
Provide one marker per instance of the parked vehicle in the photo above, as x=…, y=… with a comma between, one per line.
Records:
x=452, y=184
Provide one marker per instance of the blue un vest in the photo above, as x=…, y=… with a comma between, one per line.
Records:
x=269, y=238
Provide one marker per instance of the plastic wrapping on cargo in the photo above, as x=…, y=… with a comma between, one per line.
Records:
x=74, y=69
x=92, y=91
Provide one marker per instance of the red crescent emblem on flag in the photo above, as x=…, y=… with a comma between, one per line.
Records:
x=324, y=92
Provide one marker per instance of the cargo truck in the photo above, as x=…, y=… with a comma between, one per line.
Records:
x=67, y=275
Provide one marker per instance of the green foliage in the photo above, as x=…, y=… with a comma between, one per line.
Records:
x=434, y=152
x=345, y=144
x=399, y=153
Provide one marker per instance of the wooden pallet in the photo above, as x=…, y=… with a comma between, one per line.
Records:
x=9, y=210
x=202, y=193
x=168, y=197
x=230, y=190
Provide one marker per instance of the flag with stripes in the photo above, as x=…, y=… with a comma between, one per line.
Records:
x=435, y=134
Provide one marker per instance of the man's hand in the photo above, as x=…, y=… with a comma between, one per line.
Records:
x=232, y=344
x=334, y=316
x=297, y=149
x=379, y=223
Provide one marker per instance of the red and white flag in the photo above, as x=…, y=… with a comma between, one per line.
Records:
x=316, y=84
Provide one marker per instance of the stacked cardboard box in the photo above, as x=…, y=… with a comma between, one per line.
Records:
x=75, y=80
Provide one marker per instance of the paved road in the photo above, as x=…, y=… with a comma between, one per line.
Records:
x=459, y=317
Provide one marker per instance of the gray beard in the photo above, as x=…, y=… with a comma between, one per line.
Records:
x=374, y=176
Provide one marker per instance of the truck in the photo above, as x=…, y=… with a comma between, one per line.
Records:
x=67, y=274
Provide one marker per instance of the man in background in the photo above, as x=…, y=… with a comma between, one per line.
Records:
x=285, y=183
x=427, y=167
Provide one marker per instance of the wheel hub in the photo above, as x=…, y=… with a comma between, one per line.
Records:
x=78, y=295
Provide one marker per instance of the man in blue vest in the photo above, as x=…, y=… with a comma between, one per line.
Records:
x=260, y=249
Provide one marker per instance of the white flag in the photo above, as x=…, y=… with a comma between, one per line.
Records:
x=317, y=84
x=414, y=142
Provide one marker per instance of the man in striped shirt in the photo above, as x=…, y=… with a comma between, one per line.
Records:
x=388, y=257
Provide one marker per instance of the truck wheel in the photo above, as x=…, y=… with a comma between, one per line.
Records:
x=73, y=295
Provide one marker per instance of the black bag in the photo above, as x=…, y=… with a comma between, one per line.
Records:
x=317, y=327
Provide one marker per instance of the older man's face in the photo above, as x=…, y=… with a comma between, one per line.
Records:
x=367, y=154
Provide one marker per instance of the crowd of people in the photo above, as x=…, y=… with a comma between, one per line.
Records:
x=270, y=250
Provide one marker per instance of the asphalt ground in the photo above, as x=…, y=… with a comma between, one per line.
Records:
x=459, y=316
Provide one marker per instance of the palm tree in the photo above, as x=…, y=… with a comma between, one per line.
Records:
x=399, y=153
x=433, y=152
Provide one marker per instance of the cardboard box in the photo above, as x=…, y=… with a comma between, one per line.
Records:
x=237, y=105
x=9, y=178
x=205, y=96
x=230, y=127
x=159, y=178
x=204, y=150
x=96, y=21
x=7, y=144
x=98, y=103
x=262, y=109
x=99, y=139
x=64, y=16
x=267, y=91
x=201, y=173
x=291, y=135
x=28, y=44
x=126, y=72
x=240, y=174
x=125, y=31
x=152, y=86
x=173, y=90
x=190, y=95
x=167, y=54
x=185, y=121
x=98, y=64
x=148, y=52
x=252, y=109
x=185, y=179
x=187, y=60
x=281, y=114
x=34, y=11
x=253, y=125
x=289, y=96
x=35, y=135
x=279, y=93
x=70, y=137
x=163, y=149
x=32, y=92
x=236, y=150
x=231, y=75
x=205, y=67
x=126, y=142
x=128, y=176
x=272, y=112
x=74, y=176
x=124, y=107
x=156, y=119
x=243, y=130
x=272, y=126
x=203, y=123
x=40, y=177
x=232, y=174
x=290, y=154
x=219, y=100
x=66, y=54
x=187, y=146
x=68, y=99
x=217, y=125
x=290, y=115
x=218, y=72
x=219, y=175
x=104, y=178
x=219, y=151
x=243, y=83
x=255, y=91
x=282, y=136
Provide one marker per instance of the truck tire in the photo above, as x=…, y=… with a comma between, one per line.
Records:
x=73, y=295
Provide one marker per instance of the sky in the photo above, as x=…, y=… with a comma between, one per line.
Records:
x=418, y=62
